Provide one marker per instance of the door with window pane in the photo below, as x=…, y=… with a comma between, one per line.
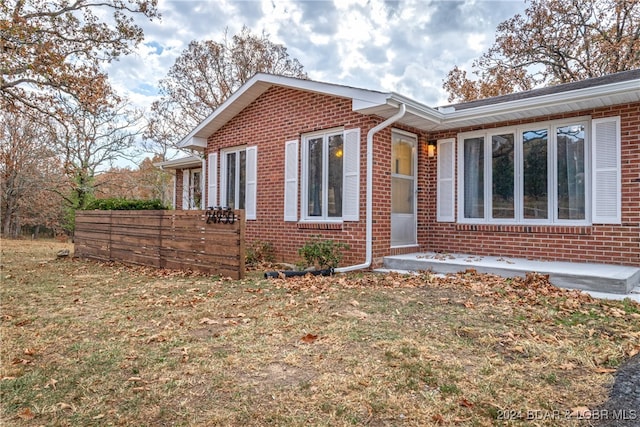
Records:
x=403, y=190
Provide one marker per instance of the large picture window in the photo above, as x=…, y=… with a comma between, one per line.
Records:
x=532, y=174
x=322, y=156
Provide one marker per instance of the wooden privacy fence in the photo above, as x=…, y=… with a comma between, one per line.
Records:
x=163, y=239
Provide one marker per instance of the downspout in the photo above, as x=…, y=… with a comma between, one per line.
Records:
x=369, y=220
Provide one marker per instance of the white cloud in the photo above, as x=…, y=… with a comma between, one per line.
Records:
x=402, y=46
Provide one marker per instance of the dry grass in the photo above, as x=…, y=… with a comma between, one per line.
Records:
x=85, y=343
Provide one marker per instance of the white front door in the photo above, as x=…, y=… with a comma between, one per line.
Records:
x=403, y=189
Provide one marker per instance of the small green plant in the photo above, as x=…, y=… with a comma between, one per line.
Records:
x=258, y=252
x=449, y=389
x=323, y=254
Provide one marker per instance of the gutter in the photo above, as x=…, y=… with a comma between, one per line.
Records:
x=540, y=101
x=369, y=224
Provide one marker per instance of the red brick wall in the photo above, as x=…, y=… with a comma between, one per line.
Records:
x=615, y=244
x=281, y=115
x=178, y=189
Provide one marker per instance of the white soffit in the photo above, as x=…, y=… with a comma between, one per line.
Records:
x=181, y=163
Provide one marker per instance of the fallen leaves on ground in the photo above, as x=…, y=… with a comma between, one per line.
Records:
x=126, y=345
x=309, y=338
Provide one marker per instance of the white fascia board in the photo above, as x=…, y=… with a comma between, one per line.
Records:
x=354, y=93
x=542, y=101
x=416, y=108
x=358, y=105
x=359, y=96
x=197, y=142
x=188, y=141
x=181, y=163
x=394, y=100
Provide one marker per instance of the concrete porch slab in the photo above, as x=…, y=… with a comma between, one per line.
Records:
x=603, y=278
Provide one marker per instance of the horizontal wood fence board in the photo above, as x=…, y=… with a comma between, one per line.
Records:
x=91, y=238
x=131, y=234
x=91, y=245
x=135, y=258
x=206, y=246
x=135, y=249
x=93, y=228
x=164, y=239
x=205, y=259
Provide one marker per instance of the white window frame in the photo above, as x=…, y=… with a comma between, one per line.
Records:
x=552, y=164
x=325, y=134
x=223, y=173
x=190, y=190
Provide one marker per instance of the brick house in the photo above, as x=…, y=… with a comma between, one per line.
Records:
x=548, y=174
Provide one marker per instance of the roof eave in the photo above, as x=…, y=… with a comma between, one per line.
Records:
x=259, y=84
x=181, y=163
x=544, y=101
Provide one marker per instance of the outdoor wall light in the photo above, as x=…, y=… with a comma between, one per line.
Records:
x=431, y=148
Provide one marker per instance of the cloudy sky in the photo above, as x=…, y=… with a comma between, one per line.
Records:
x=401, y=46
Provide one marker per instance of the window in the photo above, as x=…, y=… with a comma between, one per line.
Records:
x=322, y=156
x=571, y=172
x=329, y=180
x=502, y=176
x=192, y=189
x=532, y=174
x=238, y=179
x=234, y=178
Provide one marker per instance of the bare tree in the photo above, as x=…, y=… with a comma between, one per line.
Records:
x=204, y=76
x=56, y=46
x=29, y=168
x=557, y=41
x=145, y=182
x=89, y=140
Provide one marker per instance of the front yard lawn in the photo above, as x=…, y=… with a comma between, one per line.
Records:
x=87, y=343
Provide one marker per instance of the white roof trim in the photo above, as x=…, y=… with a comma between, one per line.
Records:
x=384, y=104
x=181, y=163
x=452, y=116
x=259, y=83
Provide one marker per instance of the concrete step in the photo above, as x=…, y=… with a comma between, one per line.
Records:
x=606, y=278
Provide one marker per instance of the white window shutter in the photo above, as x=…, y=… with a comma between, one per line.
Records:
x=185, y=189
x=291, y=180
x=202, y=185
x=606, y=179
x=351, y=176
x=175, y=196
x=212, y=180
x=446, y=167
x=250, y=207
